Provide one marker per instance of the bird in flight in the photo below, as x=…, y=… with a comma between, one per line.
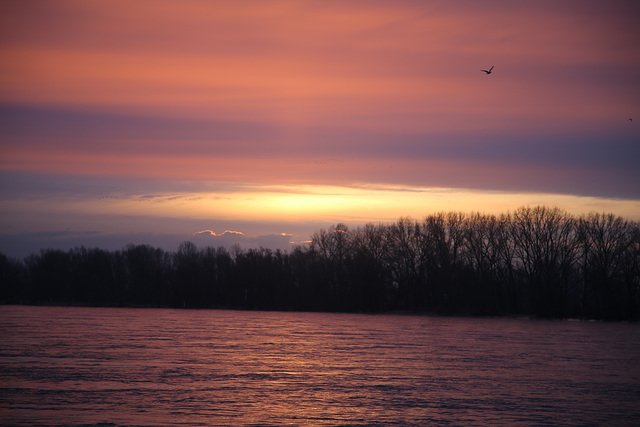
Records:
x=630, y=120
x=488, y=71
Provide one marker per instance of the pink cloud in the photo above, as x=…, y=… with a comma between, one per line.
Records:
x=230, y=238
x=213, y=234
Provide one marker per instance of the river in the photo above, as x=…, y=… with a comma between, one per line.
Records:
x=77, y=366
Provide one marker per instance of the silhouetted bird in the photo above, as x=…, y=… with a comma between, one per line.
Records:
x=489, y=71
x=630, y=120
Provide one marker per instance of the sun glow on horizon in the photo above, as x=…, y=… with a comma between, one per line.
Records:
x=323, y=204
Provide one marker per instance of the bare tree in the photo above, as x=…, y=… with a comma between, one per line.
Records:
x=545, y=251
x=608, y=245
x=404, y=262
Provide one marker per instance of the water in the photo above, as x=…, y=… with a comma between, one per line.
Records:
x=144, y=367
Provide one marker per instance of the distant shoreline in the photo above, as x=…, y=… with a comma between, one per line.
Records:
x=381, y=313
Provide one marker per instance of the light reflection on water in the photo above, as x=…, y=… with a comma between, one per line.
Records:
x=86, y=366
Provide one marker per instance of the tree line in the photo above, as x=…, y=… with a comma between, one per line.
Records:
x=538, y=260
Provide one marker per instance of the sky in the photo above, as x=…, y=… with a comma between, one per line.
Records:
x=260, y=122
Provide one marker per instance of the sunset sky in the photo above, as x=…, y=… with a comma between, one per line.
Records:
x=260, y=122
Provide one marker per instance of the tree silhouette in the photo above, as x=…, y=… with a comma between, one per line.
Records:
x=536, y=260
x=12, y=273
x=146, y=275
